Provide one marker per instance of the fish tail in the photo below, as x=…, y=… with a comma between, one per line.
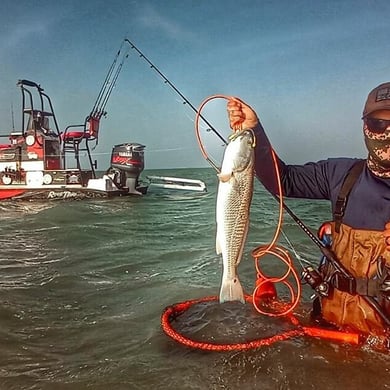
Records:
x=231, y=290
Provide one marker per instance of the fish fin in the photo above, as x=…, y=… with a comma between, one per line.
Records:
x=225, y=177
x=218, y=246
x=231, y=290
x=239, y=257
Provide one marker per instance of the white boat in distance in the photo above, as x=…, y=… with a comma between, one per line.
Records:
x=177, y=183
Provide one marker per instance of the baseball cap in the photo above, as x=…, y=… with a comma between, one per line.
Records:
x=378, y=99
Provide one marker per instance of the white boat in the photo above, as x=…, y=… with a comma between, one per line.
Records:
x=177, y=183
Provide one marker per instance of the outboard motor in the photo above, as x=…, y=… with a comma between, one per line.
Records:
x=127, y=163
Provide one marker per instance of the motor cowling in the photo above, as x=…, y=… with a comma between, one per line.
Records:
x=127, y=163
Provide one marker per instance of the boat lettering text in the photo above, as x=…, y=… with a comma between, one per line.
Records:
x=62, y=195
x=120, y=160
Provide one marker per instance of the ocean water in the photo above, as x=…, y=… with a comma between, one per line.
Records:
x=83, y=285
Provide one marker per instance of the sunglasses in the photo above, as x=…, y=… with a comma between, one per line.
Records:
x=377, y=125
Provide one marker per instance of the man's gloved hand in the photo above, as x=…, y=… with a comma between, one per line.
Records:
x=386, y=234
x=241, y=116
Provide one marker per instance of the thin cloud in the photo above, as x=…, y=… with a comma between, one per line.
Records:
x=151, y=19
x=21, y=32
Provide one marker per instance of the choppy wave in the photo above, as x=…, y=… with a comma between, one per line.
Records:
x=83, y=286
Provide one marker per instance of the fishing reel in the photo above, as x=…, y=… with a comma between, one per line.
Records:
x=314, y=279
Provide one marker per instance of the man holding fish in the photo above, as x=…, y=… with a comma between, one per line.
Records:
x=359, y=193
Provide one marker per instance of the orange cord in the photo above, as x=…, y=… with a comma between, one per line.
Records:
x=197, y=127
x=173, y=311
x=280, y=253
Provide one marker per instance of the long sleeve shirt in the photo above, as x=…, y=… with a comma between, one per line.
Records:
x=368, y=205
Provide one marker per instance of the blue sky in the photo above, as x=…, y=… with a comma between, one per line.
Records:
x=305, y=66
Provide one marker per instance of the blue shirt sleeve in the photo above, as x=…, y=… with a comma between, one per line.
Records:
x=298, y=181
x=368, y=204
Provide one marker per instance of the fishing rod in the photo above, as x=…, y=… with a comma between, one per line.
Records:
x=185, y=100
x=98, y=109
x=327, y=252
x=113, y=81
x=13, y=117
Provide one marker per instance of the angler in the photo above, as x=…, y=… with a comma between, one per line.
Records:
x=357, y=265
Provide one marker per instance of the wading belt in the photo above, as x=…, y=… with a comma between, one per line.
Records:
x=358, y=286
x=375, y=291
x=342, y=198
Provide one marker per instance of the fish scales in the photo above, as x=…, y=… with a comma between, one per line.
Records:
x=233, y=204
x=236, y=216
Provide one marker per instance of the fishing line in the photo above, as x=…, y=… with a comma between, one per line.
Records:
x=296, y=254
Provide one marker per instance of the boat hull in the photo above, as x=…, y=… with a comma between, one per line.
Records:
x=63, y=193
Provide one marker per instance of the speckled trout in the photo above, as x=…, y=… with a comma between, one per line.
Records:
x=234, y=198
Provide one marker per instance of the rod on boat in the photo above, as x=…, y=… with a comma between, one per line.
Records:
x=98, y=109
x=13, y=117
x=185, y=100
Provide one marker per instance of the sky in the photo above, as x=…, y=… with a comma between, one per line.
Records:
x=305, y=66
